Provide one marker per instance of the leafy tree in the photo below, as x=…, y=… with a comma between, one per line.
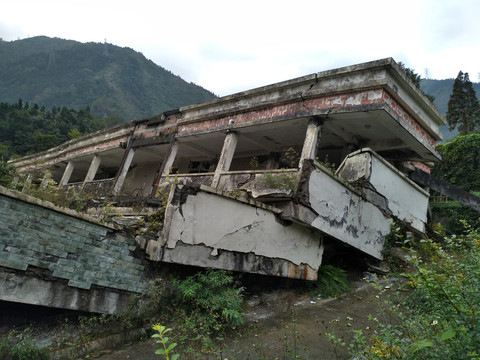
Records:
x=463, y=106
x=74, y=133
x=44, y=141
x=3, y=152
x=461, y=162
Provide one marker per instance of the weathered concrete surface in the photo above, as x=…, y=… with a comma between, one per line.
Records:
x=209, y=230
x=339, y=211
x=55, y=257
x=386, y=187
x=40, y=289
x=232, y=142
x=445, y=188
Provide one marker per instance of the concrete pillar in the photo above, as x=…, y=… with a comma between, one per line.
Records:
x=92, y=170
x=226, y=156
x=123, y=171
x=28, y=182
x=67, y=174
x=45, y=179
x=15, y=182
x=168, y=162
x=311, y=139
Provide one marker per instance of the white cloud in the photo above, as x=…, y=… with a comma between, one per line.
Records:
x=228, y=47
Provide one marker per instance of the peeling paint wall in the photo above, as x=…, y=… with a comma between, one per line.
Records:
x=238, y=236
x=343, y=214
x=385, y=186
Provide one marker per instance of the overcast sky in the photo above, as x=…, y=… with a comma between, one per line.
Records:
x=228, y=46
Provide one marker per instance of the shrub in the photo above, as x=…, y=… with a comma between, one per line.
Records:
x=449, y=213
x=440, y=316
x=208, y=304
x=332, y=281
x=19, y=346
x=287, y=181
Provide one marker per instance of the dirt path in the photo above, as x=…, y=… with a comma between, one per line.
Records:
x=282, y=325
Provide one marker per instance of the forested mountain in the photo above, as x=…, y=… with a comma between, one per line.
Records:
x=109, y=80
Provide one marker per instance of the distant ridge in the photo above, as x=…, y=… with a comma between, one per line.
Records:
x=109, y=79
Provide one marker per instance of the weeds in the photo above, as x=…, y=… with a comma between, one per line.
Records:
x=332, y=281
x=439, y=319
x=208, y=305
x=285, y=181
x=20, y=346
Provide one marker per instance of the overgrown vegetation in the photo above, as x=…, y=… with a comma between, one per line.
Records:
x=450, y=213
x=287, y=181
x=208, y=304
x=20, y=346
x=461, y=162
x=332, y=281
x=48, y=190
x=438, y=318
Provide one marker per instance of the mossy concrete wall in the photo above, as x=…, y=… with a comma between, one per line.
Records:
x=56, y=257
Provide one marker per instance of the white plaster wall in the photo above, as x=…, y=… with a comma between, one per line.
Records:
x=406, y=201
x=346, y=216
x=227, y=224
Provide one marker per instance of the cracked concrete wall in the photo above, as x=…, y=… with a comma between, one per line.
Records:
x=344, y=215
x=212, y=230
x=403, y=199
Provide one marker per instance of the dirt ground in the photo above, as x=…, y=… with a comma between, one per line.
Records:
x=283, y=325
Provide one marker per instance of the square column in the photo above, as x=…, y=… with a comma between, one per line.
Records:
x=28, y=182
x=92, y=170
x=46, y=178
x=169, y=160
x=311, y=139
x=123, y=172
x=67, y=174
x=226, y=156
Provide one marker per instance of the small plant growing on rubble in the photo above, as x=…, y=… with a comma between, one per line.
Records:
x=153, y=223
x=327, y=164
x=166, y=349
x=254, y=163
x=280, y=181
x=290, y=158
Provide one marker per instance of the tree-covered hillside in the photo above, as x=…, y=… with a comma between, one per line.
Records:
x=108, y=79
x=27, y=128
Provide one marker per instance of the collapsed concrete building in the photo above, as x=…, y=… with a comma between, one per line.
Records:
x=249, y=177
